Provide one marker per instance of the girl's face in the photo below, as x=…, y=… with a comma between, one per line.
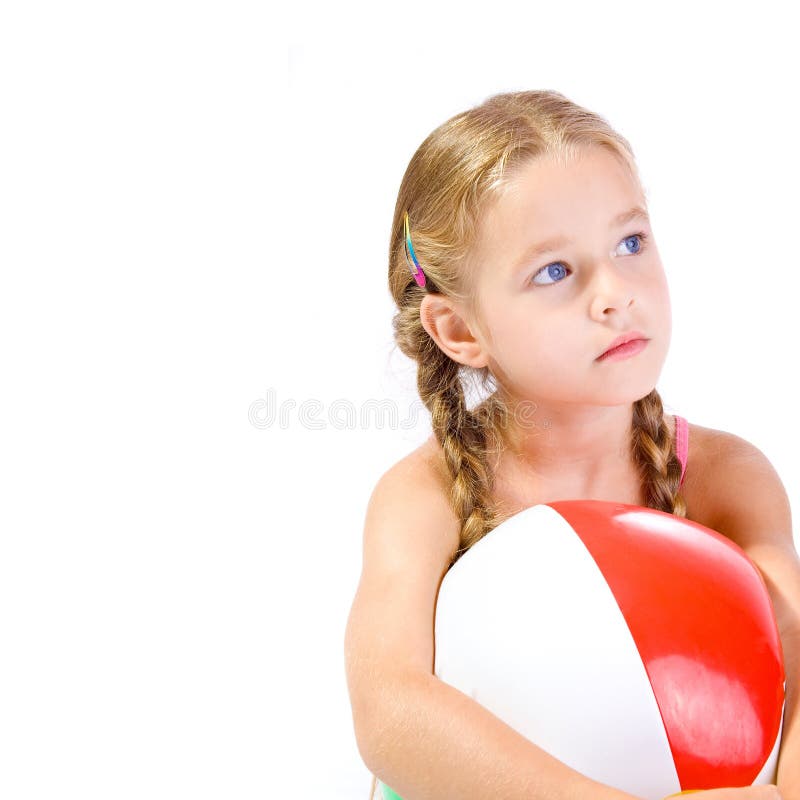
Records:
x=545, y=315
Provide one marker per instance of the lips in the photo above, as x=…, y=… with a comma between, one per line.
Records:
x=631, y=336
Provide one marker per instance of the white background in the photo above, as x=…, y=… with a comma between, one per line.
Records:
x=196, y=201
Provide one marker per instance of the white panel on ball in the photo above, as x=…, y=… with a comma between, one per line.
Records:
x=528, y=627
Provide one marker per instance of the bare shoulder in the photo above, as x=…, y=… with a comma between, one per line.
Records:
x=730, y=480
x=410, y=527
x=409, y=540
x=410, y=505
x=723, y=454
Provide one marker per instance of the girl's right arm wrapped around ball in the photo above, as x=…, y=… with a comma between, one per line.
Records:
x=419, y=735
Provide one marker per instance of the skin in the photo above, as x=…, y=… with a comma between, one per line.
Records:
x=540, y=334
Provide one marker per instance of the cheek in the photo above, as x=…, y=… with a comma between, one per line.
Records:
x=661, y=304
x=525, y=346
x=658, y=294
x=666, y=305
x=561, y=350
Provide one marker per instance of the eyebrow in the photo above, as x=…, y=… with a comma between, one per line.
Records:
x=637, y=212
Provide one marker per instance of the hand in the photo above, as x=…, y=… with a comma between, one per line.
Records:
x=767, y=791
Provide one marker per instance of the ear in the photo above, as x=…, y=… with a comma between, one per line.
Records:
x=446, y=323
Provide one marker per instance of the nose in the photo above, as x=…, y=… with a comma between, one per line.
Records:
x=609, y=291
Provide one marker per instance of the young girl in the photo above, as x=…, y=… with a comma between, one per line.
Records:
x=521, y=254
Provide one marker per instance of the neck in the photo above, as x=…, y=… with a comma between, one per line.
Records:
x=584, y=448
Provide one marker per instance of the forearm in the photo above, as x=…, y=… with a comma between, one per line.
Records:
x=788, y=779
x=429, y=741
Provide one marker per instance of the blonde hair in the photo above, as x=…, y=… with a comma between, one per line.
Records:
x=459, y=168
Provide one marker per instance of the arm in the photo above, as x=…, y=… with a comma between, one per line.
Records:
x=789, y=759
x=424, y=738
x=429, y=740
x=753, y=510
x=780, y=569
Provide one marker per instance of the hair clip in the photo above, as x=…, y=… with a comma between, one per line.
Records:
x=416, y=269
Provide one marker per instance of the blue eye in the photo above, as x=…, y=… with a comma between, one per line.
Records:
x=553, y=270
x=638, y=244
x=557, y=268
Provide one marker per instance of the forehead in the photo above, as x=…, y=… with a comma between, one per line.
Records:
x=545, y=199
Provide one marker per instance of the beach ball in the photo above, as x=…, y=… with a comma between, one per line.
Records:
x=639, y=648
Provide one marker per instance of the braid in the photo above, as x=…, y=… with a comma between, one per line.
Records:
x=463, y=436
x=654, y=452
